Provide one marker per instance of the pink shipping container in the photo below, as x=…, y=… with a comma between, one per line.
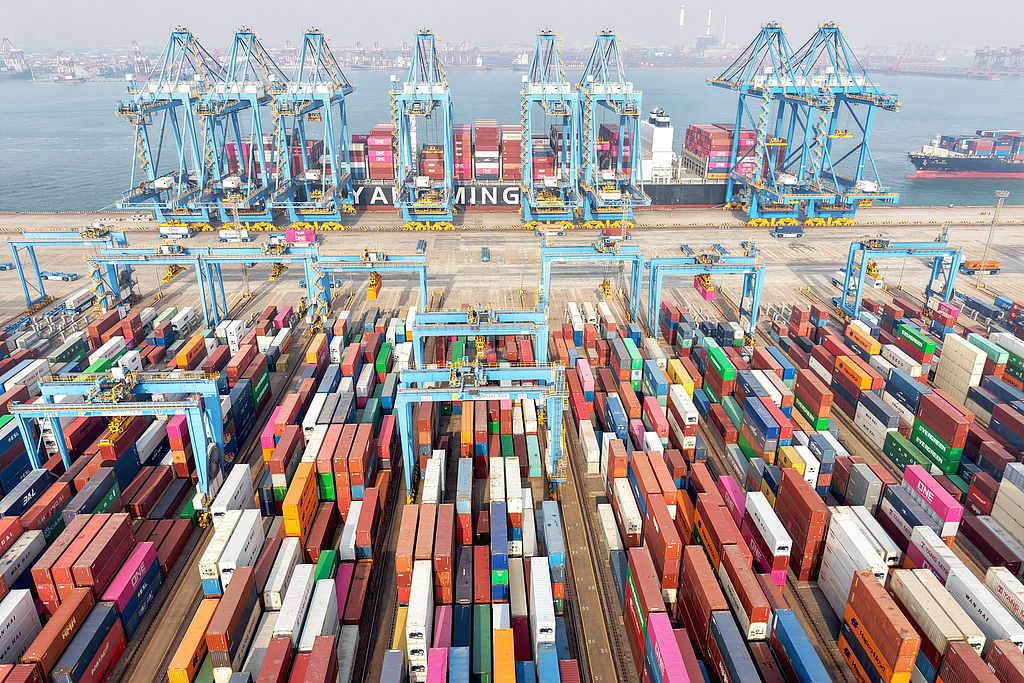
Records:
x=177, y=428
x=342, y=584
x=267, y=438
x=293, y=236
x=443, y=626
x=437, y=665
x=666, y=649
x=654, y=416
x=734, y=497
x=936, y=497
x=122, y=588
x=283, y=317
x=586, y=376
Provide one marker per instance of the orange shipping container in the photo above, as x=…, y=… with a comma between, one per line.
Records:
x=317, y=347
x=191, y=353
x=192, y=650
x=853, y=372
x=863, y=340
x=299, y=507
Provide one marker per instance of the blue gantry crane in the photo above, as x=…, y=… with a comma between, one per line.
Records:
x=421, y=107
x=772, y=176
x=605, y=249
x=708, y=263
x=121, y=397
x=318, y=188
x=475, y=382
x=164, y=114
x=481, y=322
x=944, y=260
x=841, y=152
x=550, y=120
x=29, y=240
x=239, y=168
x=610, y=182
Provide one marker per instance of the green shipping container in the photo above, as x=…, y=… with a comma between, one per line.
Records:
x=946, y=459
x=960, y=485
x=482, y=643
x=508, y=449
x=818, y=423
x=325, y=484
x=102, y=365
x=710, y=394
x=165, y=315
x=720, y=362
x=372, y=414
x=188, y=510
x=633, y=595
x=918, y=339
x=108, y=500
x=205, y=673
x=326, y=565
x=499, y=577
x=533, y=455
x=383, y=361
x=903, y=453
x=279, y=493
x=69, y=351
x=260, y=387
x=733, y=410
x=636, y=361
x=458, y=350
x=747, y=449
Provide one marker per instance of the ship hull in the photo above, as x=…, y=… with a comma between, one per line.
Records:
x=929, y=166
x=507, y=196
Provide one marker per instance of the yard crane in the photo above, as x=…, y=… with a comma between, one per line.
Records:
x=421, y=108
x=610, y=182
x=551, y=130
x=164, y=114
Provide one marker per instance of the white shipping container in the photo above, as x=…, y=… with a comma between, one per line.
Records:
x=110, y=349
x=131, y=361
x=244, y=546
x=296, y=603
x=591, y=450
x=983, y=607
x=155, y=433
x=629, y=513
x=869, y=425
x=938, y=558
x=1008, y=589
x=529, y=532
x=611, y=530
x=20, y=557
x=347, y=545
x=527, y=498
x=530, y=416
x=313, y=443
x=19, y=625
x=819, y=370
x=846, y=551
x=501, y=615
x=928, y=616
x=513, y=487
x=496, y=480
x=312, y=413
x=336, y=349
x=322, y=619
x=811, y=464
x=33, y=373
x=260, y=642
x=517, y=588
x=235, y=494
x=768, y=525
x=905, y=413
x=762, y=379
x=542, y=606
x=281, y=573
x=652, y=351
x=887, y=549
x=431, y=493
x=751, y=630
x=419, y=620
x=208, y=568
x=969, y=631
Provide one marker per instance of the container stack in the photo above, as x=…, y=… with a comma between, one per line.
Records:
x=357, y=156
x=876, y=641
x=543, y=159
x=710, y=148
x=432, y=162
x=511, y=152
x=462, y=148
x=960, y=367
x=486, y=150
x=380, y=152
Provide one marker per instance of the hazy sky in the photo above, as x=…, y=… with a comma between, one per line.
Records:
x=92, y=23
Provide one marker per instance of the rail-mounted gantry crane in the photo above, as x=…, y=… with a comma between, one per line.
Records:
x=170, y=175
x=841, y=155
x=550, y=122
x=610, y=182
x=239, y=167
x=421, y=107
x=314, y=187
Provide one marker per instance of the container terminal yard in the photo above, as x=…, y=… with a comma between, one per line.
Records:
x=779, y=443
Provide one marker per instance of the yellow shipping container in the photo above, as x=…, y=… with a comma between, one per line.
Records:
x=677, y=375
x=316, y=346
x=398, y=636
x=467, y=423
x=768, y=493
x=504, y=656
x=790, y=457
x=192, y=649
x=300, y=502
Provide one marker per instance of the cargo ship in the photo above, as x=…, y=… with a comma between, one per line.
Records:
x=986, y=154
x=12, y=63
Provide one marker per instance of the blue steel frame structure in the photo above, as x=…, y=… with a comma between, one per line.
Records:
x=481, y=323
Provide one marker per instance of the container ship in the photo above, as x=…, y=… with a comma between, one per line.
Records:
x=986, y=154
x=12, y=63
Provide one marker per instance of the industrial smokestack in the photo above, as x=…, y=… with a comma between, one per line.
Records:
x=707, y=29
x=725, y=24
x=682, y=23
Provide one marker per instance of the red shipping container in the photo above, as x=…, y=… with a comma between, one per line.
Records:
x=699, y=595
x=61, y=570
x=662, y=539
x=481, y=574
x=1006, y=661
x=962, y=664
x=98, y=564
x=750, y=605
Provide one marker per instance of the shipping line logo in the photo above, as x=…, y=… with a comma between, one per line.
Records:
x=466, y=195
